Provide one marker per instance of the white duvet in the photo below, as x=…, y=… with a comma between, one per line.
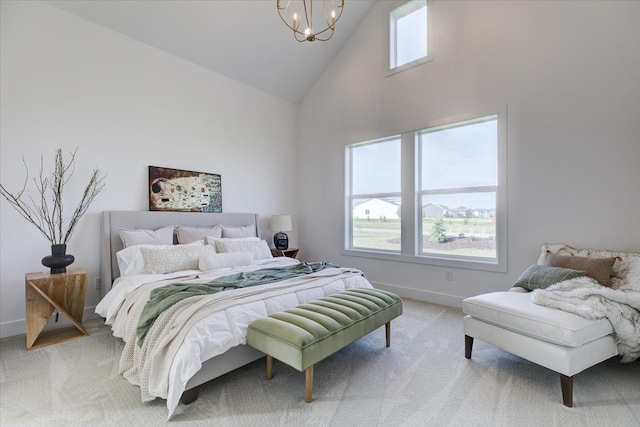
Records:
x=212, y=326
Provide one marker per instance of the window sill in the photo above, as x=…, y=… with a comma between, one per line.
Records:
x=429, y=260
x=409, y=65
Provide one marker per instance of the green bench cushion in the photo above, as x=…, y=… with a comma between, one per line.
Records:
x=306, y=334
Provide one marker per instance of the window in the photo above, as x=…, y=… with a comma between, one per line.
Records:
x=374, y=195
x=410, y=26
x=458, y=185
x=449, y=180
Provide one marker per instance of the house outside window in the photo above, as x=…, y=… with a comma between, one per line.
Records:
x=410, y=35
x=435, y=196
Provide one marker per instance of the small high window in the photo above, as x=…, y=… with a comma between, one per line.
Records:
x=409, y=29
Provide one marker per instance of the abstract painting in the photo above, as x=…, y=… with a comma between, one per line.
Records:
x=186, y=191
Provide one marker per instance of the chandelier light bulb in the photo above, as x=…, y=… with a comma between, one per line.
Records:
x=325, y=26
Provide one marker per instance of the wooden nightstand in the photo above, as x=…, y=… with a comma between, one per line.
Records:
x=48, y=292
x=291, y=252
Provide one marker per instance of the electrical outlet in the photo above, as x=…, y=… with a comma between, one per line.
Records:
x=448, y=275
x=98, y=282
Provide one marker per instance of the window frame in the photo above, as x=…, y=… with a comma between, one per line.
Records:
x=409, y=6
x=411, y=224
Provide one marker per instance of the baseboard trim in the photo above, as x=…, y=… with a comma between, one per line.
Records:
x=421, y=295
x=19, y=327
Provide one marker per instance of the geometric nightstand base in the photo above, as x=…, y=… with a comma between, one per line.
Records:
x=48, y=292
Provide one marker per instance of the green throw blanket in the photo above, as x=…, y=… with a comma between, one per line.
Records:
x=165, y=296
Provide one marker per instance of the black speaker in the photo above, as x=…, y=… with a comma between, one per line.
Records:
x=281, y=241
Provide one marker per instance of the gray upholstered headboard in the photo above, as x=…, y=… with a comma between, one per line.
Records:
x=113, y=221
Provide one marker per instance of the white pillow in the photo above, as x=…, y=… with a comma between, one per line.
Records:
x=229, y=231
x=131, y=261
x=211, y=240
x=191, y=234
x=161, y=236
x=176, y=258
x=259, y=249
x=212, y=261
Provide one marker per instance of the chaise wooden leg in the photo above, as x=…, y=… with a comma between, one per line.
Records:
x=269, y=367
x=566, y=384
x=468, y=346
x=190, y=396
x=387, y=329
x=308, y=379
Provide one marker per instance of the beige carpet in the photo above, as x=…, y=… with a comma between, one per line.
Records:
x=422, y=380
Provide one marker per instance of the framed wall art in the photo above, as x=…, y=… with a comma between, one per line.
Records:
x=186, y=191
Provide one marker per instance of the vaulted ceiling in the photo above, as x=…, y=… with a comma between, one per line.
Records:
x=241, y=39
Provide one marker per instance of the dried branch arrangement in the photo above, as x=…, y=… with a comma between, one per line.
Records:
x=46, y=211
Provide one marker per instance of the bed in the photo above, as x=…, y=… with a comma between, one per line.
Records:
x=205, y=340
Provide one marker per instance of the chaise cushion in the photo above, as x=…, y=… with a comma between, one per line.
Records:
x=516, y=312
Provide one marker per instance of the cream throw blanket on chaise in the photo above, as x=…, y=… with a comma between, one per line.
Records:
x=585, y=297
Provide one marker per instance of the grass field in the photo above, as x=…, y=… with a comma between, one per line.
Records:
x=468, y=237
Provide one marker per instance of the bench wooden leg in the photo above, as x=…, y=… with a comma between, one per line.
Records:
x=308, y=381
x=269, y=367
x=566, y=384
x=468, y=346
x=387, y=329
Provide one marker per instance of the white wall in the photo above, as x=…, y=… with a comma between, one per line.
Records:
x=68, y=83
x=568, y=72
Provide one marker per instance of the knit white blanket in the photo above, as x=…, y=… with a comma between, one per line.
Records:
x=585, y=297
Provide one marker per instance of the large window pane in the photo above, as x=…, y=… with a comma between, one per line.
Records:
x=461, y=224
x=375, y=173
x=460, y=156
x=376, y=167
x=376, y=223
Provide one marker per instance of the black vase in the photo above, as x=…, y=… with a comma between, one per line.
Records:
x=58, y=260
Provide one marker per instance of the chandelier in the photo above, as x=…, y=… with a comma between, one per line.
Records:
x=303, y=14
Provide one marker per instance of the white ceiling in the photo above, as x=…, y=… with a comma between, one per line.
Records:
x=241, y=39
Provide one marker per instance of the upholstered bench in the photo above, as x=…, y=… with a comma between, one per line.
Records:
x=560, y=341
x=306, y=334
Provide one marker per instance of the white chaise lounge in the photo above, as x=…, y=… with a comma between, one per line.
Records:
x=558, y=340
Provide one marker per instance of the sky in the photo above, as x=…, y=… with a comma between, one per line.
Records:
x=469, y=151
